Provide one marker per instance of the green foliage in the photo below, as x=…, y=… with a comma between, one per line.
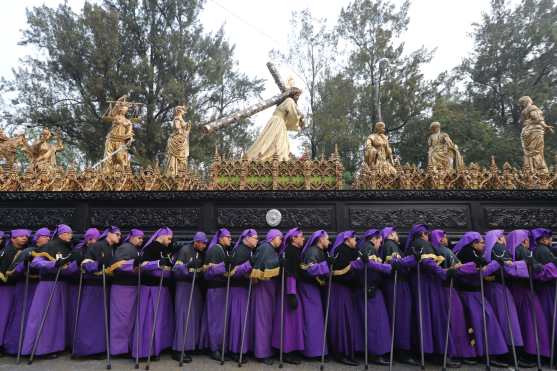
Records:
x=348, y=108
x=515, y=54
x=155, y=51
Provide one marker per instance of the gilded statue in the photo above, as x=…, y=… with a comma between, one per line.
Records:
x=378, y=153
x=42, y=153
x=178, y=146
x=3, y=136
x=119, y=137
x=9, y=146
x=273, y=139
x=532, y=136
x=442, y=154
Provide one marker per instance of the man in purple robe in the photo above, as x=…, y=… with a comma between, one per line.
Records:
x=417, y=244
x=156, y=267
x=547, y=278
x=461, y=343
x=89, y=338
x=527, y=303
x=18, y=241
x=393, y=254
x=52, y=258
x=292, y=322
x=315, y=271
x=500, y=296
x=18, y=273
x=243, y=253
x=265, y=271
x=378, y=328
x=343, y=326
x=188, y=260
x=470, y=250
x=124, y=290
x=218, y=260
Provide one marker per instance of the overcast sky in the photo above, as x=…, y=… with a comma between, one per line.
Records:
x=257, y=26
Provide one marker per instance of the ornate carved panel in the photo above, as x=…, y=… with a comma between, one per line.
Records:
x=446, y=216
x=503, y=217
x=27, y=217
x=549, y=196
x=303, y=217
x=128, y=217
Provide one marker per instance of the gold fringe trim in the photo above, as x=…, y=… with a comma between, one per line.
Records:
x=265, y=274
x=113, y=267
x=438, y=259
x=392, y=256
x=320, y=281
x=343, y=271
x=43, y=254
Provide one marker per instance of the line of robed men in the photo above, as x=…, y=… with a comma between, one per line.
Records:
x=53, y=298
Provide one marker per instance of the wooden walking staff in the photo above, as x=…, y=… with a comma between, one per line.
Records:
x=285, y=92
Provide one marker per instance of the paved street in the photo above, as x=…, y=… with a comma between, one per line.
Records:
x=200, y=363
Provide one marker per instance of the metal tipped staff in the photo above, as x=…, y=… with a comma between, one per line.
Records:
x=551, y=359
x=448, y=328
x=486, y=345
x=393, y=318
x=155, y=314
x=366, y=365
x=188, y=311
x=43, y=319
x=330, y=281
x=105, y=308
x=281, y=338
x=137, y=304
x=420, y=315
x=78, y=304
x=245, y=324
x=225, y=322
x=119, y=149
x=23, y=314
x=534, y=319
x=510, y=327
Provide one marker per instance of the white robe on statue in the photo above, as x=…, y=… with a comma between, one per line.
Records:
x=274, y=137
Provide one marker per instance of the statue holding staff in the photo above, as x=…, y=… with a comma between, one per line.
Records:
x=120, y=136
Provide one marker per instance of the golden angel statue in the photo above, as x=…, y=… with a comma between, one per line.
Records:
x=274, y=136
x=119, y=137
x=442, y=153
x=178, y=145
x=532, y=135
x=42, y=153
x=378, y=154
